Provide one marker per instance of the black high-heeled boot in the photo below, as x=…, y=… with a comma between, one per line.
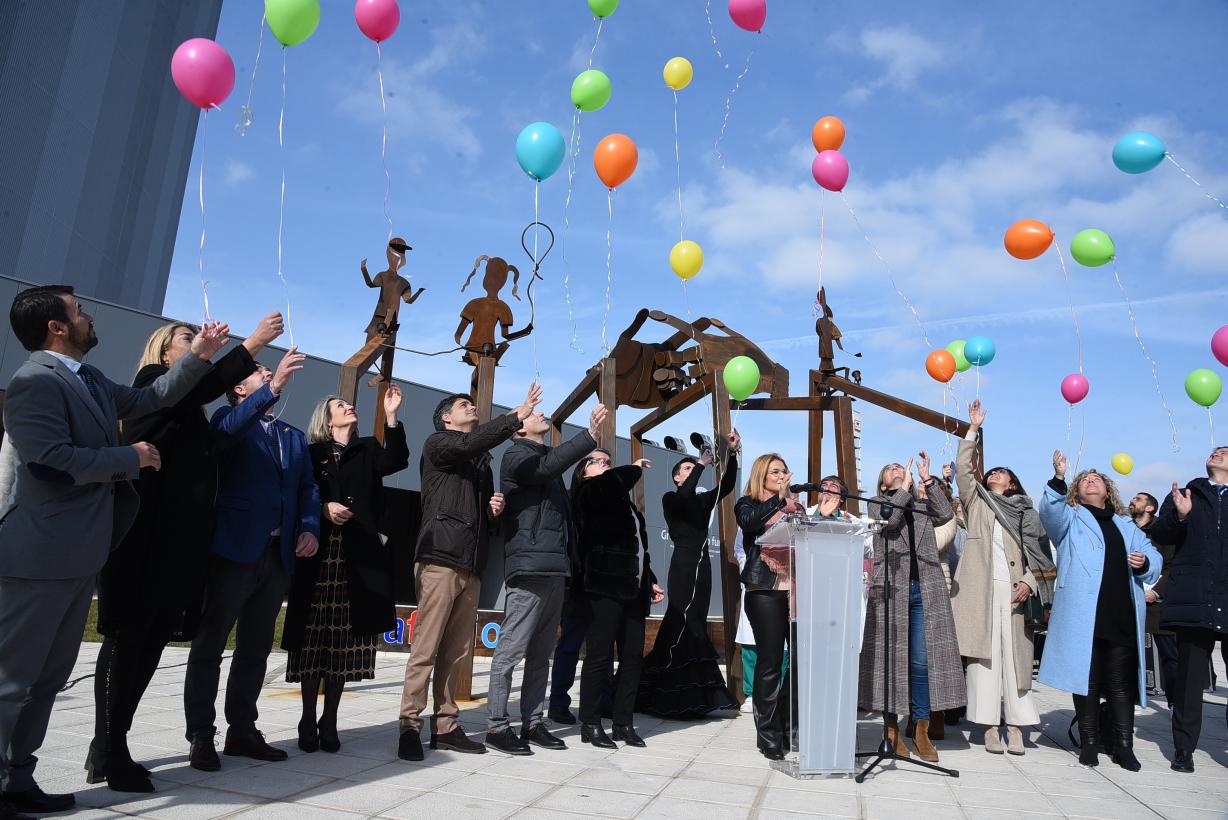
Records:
x=594, y=733
x=1088, y=713
x=123, y=773
x=628, y=735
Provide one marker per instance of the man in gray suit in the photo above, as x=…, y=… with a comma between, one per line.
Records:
x=72, y=502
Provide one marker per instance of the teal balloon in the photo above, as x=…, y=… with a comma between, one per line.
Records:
x=292, y=21
x=1204, y=386
x=1092, y=247
x=979, y=350
x=956, y=349
x=1138, y=152
x=603, y=8
x=741, y=377
x=591, y=90
x=540, y=150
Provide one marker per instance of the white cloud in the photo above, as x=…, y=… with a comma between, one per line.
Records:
x=903, y=53
x=1201, y=244
x=237, y=171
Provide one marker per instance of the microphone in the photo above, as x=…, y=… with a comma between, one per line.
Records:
x=808, y=487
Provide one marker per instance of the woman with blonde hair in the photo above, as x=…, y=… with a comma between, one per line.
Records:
x=151, y=590
x=1095, y=640
x=924, y=673
x=766, y=576
x=341, y=597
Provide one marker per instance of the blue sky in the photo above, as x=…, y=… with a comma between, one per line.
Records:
x=961, y=119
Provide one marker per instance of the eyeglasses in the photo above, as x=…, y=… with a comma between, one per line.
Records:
x=777, y=472
x=604, y=461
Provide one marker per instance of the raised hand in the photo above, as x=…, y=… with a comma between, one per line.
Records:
x=213, y=337
x=290, y=364
x=907, y=485
x=923, y=467
x=643, y=463
x=706, y=457
x=828, y=504
x=268, y=329
x=947, y=473
x=976, y=416
x=735, y=441
x=1059, y=464
x=596, y=419
x=1182, y=501
x=392, y=402
x=530, y=402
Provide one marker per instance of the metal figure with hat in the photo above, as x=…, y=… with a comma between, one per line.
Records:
x=393, y=289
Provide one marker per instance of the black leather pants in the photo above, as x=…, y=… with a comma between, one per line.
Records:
x=768, y=613
x=1113, y=675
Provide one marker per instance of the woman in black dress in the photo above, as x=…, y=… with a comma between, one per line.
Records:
x=620, y=588
x=152, y=588
x=682, y=674
x=341, y=598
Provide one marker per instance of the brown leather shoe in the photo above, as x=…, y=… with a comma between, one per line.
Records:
x=251, y=744
x=204, y=752
x=458, y=741
x=925, y=749
x=897, y=740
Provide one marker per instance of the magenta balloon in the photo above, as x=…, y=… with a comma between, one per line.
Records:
x=1219, y=345
x=831, y=170
x=378, y=19
x=748, y=14
x=203, y=72
x=1075, y=388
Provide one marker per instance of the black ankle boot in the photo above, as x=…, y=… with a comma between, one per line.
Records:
x=1123, y=754
x=593, y=733
x=329, y=741
x=308, y=735
x=627, y=735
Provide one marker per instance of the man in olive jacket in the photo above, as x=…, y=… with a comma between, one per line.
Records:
x=458, y=501
x=537, y=565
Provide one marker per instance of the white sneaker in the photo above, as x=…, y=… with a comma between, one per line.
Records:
x=748, y=707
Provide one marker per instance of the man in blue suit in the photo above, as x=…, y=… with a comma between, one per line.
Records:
x=268, y=513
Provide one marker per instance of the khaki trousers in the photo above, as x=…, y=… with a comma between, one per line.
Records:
x=443, y=635
x=993, y=687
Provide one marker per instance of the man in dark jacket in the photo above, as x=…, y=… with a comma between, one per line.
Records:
x=458, y=502
x=537, y=564
x=1143, y=508
x=1195, y=522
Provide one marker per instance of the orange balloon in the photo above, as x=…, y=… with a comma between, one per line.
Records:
x=1028, y=239
x=615, y=159
x=940, y=364
x=828, y=134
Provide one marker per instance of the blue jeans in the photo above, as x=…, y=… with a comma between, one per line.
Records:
x=918, y=655
x=566, y=658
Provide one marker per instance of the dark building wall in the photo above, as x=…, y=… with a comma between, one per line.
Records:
x=96, y=142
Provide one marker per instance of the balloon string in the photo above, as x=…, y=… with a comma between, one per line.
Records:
x=200, y=189
x=1205, y=192
x=712, y=33
x=1074, y=316
x=1155, y=368
x=383, y=145
x=596, y=40
x=245, y=113
x=729, y=107
x=822, y=229
x=734, y=424
x=609, y=267
x=574, y=142
x=891, y=278
x=1211, y=425
x=1069, y=420
x=1082, y=436
x=978, y=377
x=678, y=165
x=536, y=190
x=281, y=206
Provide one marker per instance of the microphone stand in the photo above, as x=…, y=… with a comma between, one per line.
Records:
x=885, y=750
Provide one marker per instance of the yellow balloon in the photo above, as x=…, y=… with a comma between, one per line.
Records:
x=678, y=73
x=1123, y=464
x=686, y=258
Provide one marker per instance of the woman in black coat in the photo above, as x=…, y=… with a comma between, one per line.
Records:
x=151, y=590
x=620, y=587
x=341, y=598
x=682, y=674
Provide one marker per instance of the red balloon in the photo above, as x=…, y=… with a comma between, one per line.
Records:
x=615, y=159
x=1027, y=239
x=940, y=364
x=377, y=19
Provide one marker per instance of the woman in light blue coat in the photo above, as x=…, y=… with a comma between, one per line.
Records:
x=1095, y=641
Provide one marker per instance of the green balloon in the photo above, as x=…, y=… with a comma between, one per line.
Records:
x=1092, y=248
x=292, y=21
x=741, y=377
x=1204, y=386
x=603, y=8
x=956, y=349
x=591, y=90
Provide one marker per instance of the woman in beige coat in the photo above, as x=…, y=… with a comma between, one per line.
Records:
x=991, y=583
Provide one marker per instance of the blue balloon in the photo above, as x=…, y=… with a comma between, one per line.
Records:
x=540, y=150
x=979, y=350
x=1138, y=152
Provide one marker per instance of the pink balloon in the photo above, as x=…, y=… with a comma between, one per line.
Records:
x=748, y=14
x=203, y=72
x=831, y=170
x=378, y=19
x=1075, y=388
x=1219, y=345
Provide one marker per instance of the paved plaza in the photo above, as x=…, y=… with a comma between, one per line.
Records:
x=708, y=770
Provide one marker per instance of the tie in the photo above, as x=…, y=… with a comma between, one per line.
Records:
x=90, y=384
x=270, y=432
